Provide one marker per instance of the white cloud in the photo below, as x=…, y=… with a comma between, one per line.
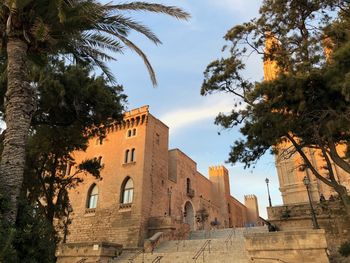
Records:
x=212, y=106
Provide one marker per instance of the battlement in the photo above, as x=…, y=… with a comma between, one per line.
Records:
x=250, y=197
x=137, y=111
x=218, y=170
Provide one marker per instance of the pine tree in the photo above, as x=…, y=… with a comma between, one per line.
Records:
x=307, y=102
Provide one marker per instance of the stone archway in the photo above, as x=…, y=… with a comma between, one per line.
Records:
x=189, y=212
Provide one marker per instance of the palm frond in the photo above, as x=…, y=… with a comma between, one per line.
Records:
x=120, y=20
x=103, y=42
x=86, y=54
x=133, y=47
x=150, y=7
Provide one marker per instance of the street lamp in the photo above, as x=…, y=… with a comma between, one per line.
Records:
x=268, y=190
x=306, y=181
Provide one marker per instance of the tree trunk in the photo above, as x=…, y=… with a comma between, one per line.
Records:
x=19, y=106
x=343, y=194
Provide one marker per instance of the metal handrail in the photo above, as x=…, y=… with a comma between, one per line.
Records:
x=138, y=253
x=157, y=259
x=229, y=238
x=275, y=259
x=201, y=250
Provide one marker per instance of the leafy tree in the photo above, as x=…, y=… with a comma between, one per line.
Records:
x=83, y=30
x=306, y=104
x=72, y=108
x=35, y=240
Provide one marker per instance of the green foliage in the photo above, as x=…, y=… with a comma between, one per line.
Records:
x=7, y=233
x=86, y=30
x=344, y=249
x=72, y=108
x=36, y=239
x=31, y=240
x=307, y=104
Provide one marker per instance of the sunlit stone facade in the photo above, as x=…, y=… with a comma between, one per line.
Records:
x=147, y=188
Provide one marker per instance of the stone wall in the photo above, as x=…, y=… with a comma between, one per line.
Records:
x=93, y=251
x=303, y=246
x=330, y=216
x=160, y=178
x=109, y=221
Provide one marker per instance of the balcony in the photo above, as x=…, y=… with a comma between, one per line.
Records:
x=125, y=206
x=190, y=193
x=90, y=211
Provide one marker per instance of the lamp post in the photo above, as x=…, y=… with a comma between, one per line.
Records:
x=306, y=181
x=268, y=190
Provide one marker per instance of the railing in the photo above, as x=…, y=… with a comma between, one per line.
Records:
x=202, y=250
x=190, y=193
x=90, y=210
x=138, y=253
x=125, y=206
x=229, y=238
x=157, y=259
x=275, y=259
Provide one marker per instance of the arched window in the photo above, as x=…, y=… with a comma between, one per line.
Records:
x=93, y=196
x=99, y=160
x=126, y=158
x=129, y=133
x=188, y=185
x=127, y=191
x=132, y=159
x=134, y=132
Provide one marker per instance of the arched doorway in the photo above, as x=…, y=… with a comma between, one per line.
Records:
x=189, y=215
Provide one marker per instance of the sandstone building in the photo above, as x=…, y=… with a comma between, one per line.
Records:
x=147, y=188
x=288, y=164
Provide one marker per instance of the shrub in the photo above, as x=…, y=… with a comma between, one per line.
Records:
x=344, y=249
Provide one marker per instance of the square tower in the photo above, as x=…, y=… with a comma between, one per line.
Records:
x=116, y=209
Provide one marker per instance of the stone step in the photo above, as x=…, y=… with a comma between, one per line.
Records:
x=193, y=245
x=183, y=251
x=187, y=257
x=224, y=233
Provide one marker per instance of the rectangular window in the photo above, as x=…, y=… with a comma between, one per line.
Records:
x=93, y=201
x=128, y=196
x=157, y=138
x=133, y=155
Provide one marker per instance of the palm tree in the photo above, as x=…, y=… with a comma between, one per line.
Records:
x=84, y=31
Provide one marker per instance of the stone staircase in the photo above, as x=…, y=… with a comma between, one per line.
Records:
x=226, y=246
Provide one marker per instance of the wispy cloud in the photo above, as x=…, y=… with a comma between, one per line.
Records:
x=179, y=118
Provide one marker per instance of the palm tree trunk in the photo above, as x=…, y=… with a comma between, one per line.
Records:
x=19, y=106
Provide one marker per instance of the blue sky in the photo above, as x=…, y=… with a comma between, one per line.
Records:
x=179, y=62
x=188, y=47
